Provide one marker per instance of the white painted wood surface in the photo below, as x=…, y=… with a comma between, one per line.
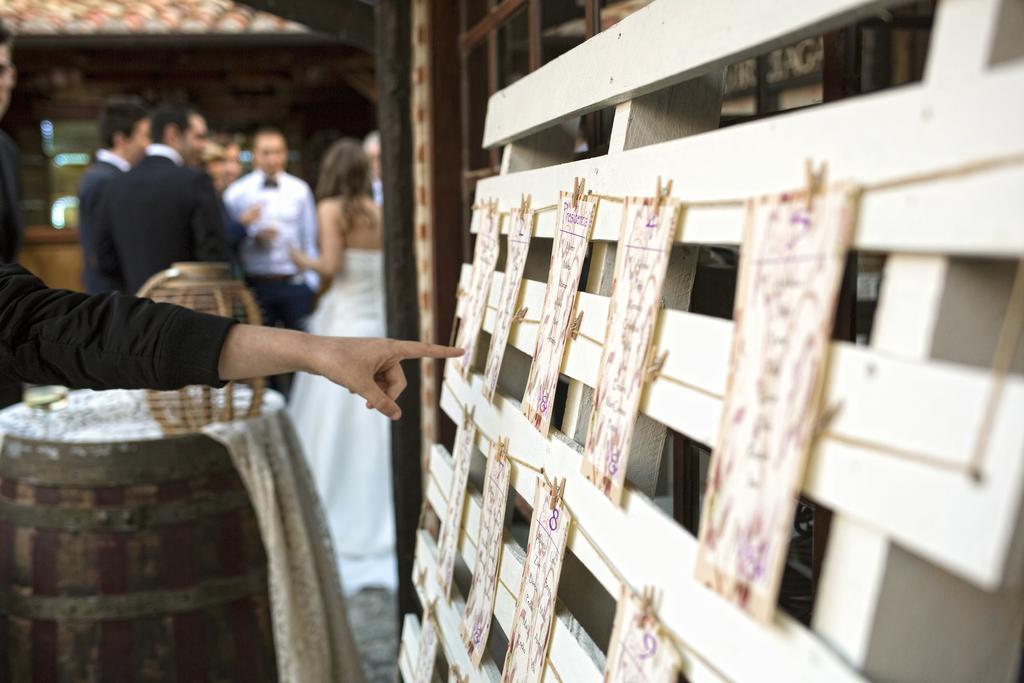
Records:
x=667, y=42
x=891, y=135
x=916, y=540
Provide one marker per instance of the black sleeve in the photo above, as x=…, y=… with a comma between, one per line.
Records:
x=103, y=341
x=208, y=233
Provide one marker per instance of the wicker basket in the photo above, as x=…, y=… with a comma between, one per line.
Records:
x=206, y=287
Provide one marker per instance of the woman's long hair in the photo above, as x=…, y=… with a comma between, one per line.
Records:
x=345, y=174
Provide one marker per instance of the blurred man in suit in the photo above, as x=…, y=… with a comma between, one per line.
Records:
x=124, y=132
x=10, y=165
x=164, y=210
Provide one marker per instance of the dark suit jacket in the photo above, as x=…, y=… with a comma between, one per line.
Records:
x=103, y=341
x=154, y=215
x=10, y=211
x=90, y=190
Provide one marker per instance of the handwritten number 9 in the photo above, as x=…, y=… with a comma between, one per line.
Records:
x=650, y=646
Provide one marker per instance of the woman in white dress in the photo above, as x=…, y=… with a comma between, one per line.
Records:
x=347, y=445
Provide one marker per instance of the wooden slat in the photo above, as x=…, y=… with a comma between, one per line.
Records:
x=409, y=646
x=568, y=660
x=571, y=661
x=653, y=550
x=891, y=410
x=895, y=134
x=511, y=572
x=447, y=613
x=665, y=46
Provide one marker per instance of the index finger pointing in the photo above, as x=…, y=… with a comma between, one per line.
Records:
x=410, y=349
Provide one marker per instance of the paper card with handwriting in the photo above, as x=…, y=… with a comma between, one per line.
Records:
x=641, y=260
x=791, y=264
x=530, y=635
x=574, y=225
x=476, y=621
x=640, y=651
x=485, y=258
x=448, y=541
x=520, y=231
x=426, y=653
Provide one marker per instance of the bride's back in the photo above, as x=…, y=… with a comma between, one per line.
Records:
x=356, y=220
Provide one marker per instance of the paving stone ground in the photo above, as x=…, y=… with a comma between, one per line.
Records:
x=372, y=613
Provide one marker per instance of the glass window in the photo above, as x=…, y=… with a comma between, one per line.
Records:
x=513, y=49
x=67, y=147
x=563, y=27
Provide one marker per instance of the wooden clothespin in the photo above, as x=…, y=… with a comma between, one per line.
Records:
x=660, y=193
x=557, y=491
x=502, y=452
x=423, y=513
x=455, y=323
x=468, y=416
x=578, y=189
x=655, y=366
x=575, y=325
x=524, y=203
x=421, y=578
x=429, y=610
x=520, y=315
x=815, y=179
x=648, y=610
x=456, y=675
x=828, y=414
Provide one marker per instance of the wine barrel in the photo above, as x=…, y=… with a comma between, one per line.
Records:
x=130, y=561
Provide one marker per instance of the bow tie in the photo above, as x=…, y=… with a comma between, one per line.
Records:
x=270, y=182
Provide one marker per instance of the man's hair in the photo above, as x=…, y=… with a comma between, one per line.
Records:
x=167, y=115
x=269, y=130
x=120, y=116
x=6, y=35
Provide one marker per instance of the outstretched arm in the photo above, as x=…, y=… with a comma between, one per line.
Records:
x=115, y=341
x=365, y=366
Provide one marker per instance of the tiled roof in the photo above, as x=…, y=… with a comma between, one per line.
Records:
x=135, y=17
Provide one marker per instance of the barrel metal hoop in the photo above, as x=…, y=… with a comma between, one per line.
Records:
x=121, y=518
x=87, y=464
x=134, y=605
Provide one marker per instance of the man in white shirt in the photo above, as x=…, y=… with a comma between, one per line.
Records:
x=285, y=220
x=124, y=132
x=371, y=145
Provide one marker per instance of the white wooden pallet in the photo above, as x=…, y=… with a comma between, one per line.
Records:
x=924, y=571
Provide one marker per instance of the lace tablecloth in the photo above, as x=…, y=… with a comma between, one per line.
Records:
x=312, y=638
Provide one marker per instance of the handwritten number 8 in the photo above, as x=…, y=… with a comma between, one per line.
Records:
x=553, y=522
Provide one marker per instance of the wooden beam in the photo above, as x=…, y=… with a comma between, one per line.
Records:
x=350, y=20
x=535, y=40
x=446, y=204
x=393, y=82
x=494, y=18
